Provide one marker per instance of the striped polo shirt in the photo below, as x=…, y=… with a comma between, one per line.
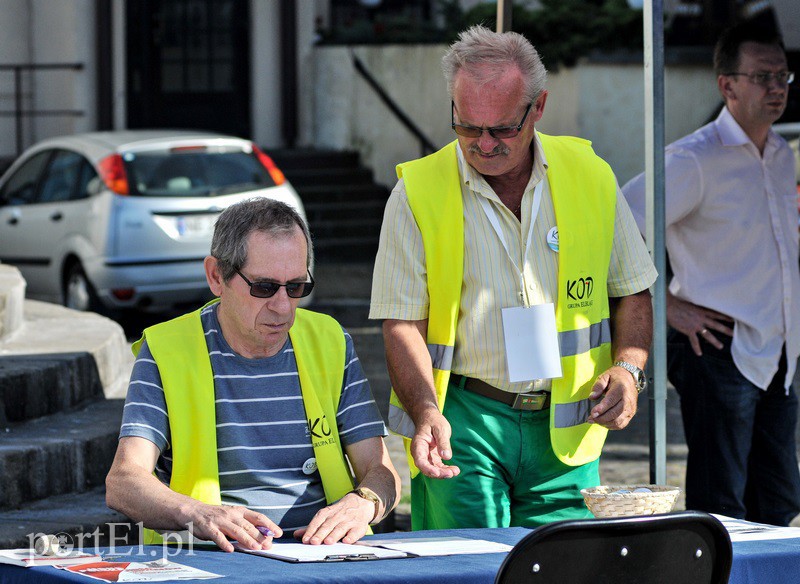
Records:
x=263, y=439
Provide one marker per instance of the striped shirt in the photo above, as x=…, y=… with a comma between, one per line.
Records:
x=491, y=280
x=263, y=439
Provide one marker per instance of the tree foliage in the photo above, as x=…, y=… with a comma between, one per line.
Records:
x=561, y=30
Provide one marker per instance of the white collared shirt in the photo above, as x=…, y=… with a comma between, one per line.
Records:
x=732, y=238
x=491, y=280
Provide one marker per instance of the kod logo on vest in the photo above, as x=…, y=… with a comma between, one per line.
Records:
x=319, y=427
x=580, y=292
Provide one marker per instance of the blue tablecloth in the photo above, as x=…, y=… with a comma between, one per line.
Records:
x=759, y=562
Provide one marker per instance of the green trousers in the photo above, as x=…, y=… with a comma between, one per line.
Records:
x=509, y=474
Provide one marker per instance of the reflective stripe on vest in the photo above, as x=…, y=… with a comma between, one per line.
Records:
x=583, y=190
x=441, y=356
x=180, y=351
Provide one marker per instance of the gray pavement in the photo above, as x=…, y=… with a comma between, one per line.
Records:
x=343, y=291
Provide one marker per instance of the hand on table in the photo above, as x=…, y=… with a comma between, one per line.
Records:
x=219, y=523
x=346, y=520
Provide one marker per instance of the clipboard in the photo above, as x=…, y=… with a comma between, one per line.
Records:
x=337, y=552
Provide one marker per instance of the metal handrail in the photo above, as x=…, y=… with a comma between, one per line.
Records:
x=18, y=113
x=426, y=146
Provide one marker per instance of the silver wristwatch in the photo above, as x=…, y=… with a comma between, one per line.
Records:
x=638, y=375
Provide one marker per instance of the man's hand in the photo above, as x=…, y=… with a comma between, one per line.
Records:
x=219, y=523
x=346, y=520
x=431, y=445
x=618, y=406
x=693, y=320
x=133, y=489
x=410, y=370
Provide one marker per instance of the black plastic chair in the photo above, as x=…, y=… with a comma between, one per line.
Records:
x=675, y=548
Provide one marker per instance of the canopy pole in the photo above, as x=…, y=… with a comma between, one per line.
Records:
x=503, y=15
x=654, y=185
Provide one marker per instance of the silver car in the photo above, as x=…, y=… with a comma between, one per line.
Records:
x=124, y=219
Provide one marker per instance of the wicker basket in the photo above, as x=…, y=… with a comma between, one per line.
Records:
x=608, y=501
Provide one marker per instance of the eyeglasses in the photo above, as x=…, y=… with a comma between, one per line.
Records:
x=269, y=289
x=499, y=132
x=764, y=78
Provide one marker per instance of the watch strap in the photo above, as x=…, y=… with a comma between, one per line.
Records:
x=370, y=495
x=639, y=377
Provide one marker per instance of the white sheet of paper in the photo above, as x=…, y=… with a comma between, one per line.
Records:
x=439, y=546
x=531, y=342
x=741, y=530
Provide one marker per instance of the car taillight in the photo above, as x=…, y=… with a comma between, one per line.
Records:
x=266, y=162
x=112, y=171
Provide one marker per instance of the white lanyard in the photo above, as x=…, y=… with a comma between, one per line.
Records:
x=491, y=215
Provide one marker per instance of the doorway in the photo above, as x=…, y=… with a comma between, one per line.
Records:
x=188, y=65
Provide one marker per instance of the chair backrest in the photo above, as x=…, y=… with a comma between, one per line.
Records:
x=675, y=548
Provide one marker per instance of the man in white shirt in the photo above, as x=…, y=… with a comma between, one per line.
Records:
x=734, y=302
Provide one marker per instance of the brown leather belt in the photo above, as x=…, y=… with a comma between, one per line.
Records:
x=536, y=400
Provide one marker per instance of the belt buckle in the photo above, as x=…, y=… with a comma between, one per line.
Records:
x=529, y=401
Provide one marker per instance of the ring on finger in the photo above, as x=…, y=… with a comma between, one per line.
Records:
x=704, y=331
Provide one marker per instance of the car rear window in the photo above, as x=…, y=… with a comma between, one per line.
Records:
x=194, y=172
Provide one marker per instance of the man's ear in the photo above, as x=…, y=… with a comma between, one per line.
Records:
x=538, y=107
x=213, y=275
x=725, y=86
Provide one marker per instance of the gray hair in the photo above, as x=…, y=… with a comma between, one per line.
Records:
x=235, y=224
x=478, y=46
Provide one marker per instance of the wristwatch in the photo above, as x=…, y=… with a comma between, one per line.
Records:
x=369, y=495
x=638, y=375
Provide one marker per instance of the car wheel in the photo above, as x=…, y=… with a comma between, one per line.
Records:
x=78, y=291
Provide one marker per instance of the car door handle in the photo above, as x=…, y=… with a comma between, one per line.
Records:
x=57, y=216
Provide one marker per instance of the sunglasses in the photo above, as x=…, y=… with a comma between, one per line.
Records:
x=498, y=132
x=269, y=289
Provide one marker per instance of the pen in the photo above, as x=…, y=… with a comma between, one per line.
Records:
x=265, y=532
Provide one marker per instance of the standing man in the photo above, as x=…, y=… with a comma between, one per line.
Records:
x=504, y=235
x=250, y=409
x=734, y=302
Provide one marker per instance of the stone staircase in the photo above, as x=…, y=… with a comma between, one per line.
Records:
x=343, y=204
x=62, y=376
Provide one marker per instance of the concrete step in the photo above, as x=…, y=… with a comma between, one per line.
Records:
x=355, y=227
x=50, y=329
x=346, y=249
x=324, y=192
x=313, y=175
x=79, y=516
x=367, y=210
x=292, y=161
x=39, y=385
x=68, y=452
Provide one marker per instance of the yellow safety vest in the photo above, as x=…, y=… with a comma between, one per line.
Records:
x=583, y=190
x=179, y=349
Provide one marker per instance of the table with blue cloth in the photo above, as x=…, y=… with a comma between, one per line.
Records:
x=754, y=562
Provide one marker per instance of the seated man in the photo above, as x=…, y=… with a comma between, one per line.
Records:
x=247, y=407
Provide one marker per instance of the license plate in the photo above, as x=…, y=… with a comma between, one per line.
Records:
x=195, y=225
